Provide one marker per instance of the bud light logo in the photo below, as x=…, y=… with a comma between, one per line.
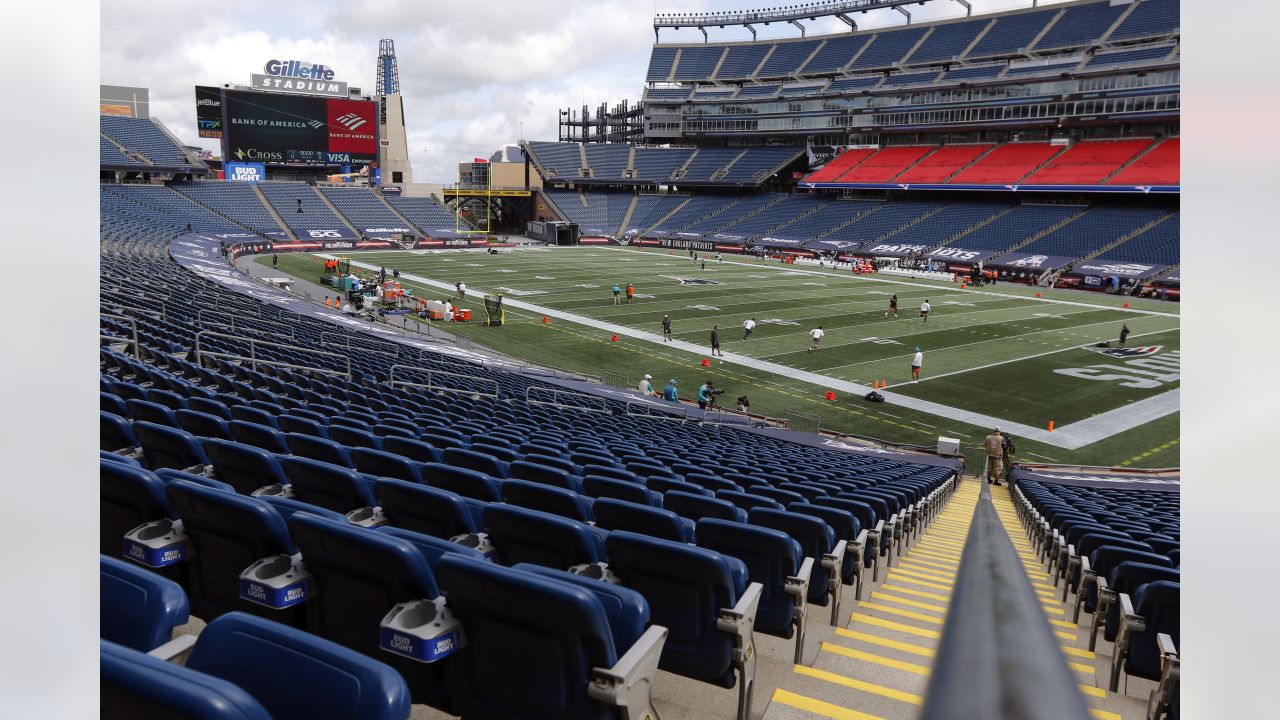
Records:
x=246, y=172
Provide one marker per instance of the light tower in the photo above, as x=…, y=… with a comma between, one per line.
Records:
x=388, y=71
x=393, y=154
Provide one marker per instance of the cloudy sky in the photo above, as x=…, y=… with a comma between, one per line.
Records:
x=470, y=72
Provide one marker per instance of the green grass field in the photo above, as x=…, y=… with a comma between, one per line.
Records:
x=991, y=354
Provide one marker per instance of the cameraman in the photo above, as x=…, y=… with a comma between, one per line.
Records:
x=743, y=403
x=707, y=393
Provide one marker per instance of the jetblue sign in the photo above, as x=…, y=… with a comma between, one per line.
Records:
x=298, y=77
x=246, y=172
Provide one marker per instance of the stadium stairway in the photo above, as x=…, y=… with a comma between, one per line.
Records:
x=877, y=665
x=273, y=213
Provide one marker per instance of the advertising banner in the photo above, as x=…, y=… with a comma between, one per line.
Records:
x=955, y=254
x=298, y=129
x=1116, y=269
x=893, y=249
x=832, y=245
x=1027, y=261
x=1100, y=481
x=246, y=172
x=208, y=111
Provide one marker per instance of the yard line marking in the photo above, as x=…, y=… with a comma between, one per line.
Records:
x=1019, y=359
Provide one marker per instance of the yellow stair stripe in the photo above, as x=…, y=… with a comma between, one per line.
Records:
x=1065, y=635
x=913, y=574
x=1081, y=667
x=917, y=593
x=877, y=659
x=1087, y=655
x=1103, y=714
x=940, y=609
x=1059, y=623
x=1092, y=691
x=934, y=555
x=945, y=567
x=891, y=625
x=934, y=619
x=918, y=567
x=818, y=707
x=939, y=575
x=862, y=685
x=920, y=650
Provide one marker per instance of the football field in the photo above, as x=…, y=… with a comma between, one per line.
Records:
x=995, y=355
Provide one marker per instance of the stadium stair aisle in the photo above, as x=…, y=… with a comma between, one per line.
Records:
x=878, y=665
x=1093, y=668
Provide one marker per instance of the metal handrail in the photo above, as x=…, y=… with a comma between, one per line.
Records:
x=133, y=327
x=998, y=657
x=253, y=352
x=601, y=405
x=431, y=384
x=679, y=412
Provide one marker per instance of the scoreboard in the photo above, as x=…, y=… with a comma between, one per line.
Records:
x=285, y=129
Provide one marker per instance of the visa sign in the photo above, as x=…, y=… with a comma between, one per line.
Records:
x=246, y=172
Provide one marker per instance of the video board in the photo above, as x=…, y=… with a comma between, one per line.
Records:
x=280, y=129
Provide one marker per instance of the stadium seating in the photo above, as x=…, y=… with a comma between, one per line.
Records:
x=146, y=138
x=888, y=49
x=1159, y=166
x=428, y=216
x=885, y=164
x=233, y=200
x=947, y=42
x=1149, y=18
x=1094, y=229
x=786, y=58
x=941, y=164
x=139, y=609
x=1012, y=34
x=1079, y=25
x=1007, y=163
x=287, y=198
x=840, y=165
x=741, y=62
x=1158, y=245
x=1087, y=163
x=363, y=209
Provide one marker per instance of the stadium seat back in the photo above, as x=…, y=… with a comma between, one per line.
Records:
x=136, y=685
x=547, y=498
x=138, y=608
x=467, y=483
x=696, y=507
x=244, y=467
x=314, y=448
x=129, y=496
x=614, y=514
x=770, y=557
x=815, y=537
x=258, y=435
x=432, y=511
x=272, y=662
x=329, y=486
x=597, y=486
x=385, y=464
x=115, y=433
x=412, y=449
x=521, y=535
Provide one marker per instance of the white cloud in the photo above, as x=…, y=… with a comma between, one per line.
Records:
x=470, y=73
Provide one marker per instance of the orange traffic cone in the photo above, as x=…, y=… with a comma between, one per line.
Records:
x=706, y=362
x=831, y=395
x=1126, y=304
x=614, y=339
x=545, y=320
x=1050, y=426
x=1037, y=294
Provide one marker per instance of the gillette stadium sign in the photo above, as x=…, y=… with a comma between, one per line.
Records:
x=298, y=77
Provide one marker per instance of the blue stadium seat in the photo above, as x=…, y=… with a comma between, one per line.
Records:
x=354, y=438
x=711, y=482
x=151, y=412
x=467, y=483
x=478, y=461
x=138, y=608
x=847, y=528
x=248, y=413
x=774, y=560
x=597, y=486
x=386, y=464
x=696, y=507
x=818, y=541
x=296, y=675
x=244, y=467
x=129, y=497
x=431, y=548
x=1100, y=564
x=703, y=599
x=547, y=498
x=749, y=500
x=329, y=486
x=359, y=576
x=572, y=663
x=412, y=449
x=520, y=535
x=782, y=496
x=302, y=426
x=263, y=436
x=105, y=456
x=664, y=485
x=1126, y=578
x=614, y=514
x=869, y=521
x=431, y=511
x=114, y=404
x=314, y=448
x=207, y=405
x=227, y=534
x=1153, y=610
x=544, y=474
x=115, y=433
x=134, y=685
x=202, y=424
x=287, y=507
x=610, y=471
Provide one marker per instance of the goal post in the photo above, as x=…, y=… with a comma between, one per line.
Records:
x=494, y=315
